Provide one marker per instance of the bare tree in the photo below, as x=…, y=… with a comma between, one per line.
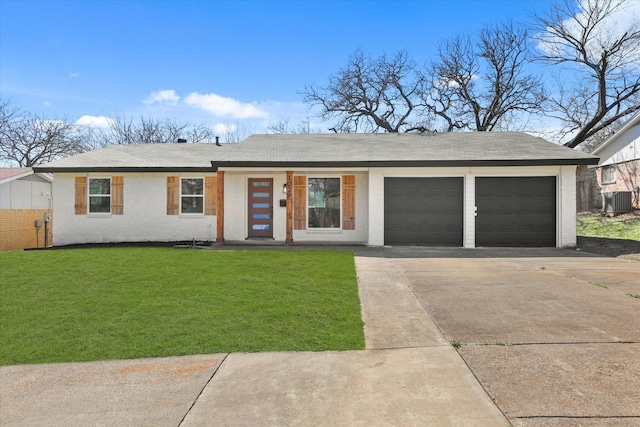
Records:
x=483, y=85
x=7, y=113
x=198, y=133
x=371, y=95
x=30, y=140
x=598, y=138
x=604, y=59
x=235, y=132
x=284, y=126
x=146, y=130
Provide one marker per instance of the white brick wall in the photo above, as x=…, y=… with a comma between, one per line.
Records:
x=469, y=234
x=144, y=214
x=567, y=207
x=376, y=206
x=145, y=217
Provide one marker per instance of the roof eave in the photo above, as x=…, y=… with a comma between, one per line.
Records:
x=17, y=176
x=215, y=165
x=405, y=163
x=120, y=169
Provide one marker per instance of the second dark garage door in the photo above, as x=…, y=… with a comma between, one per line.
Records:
x=516, y=211
x=423, y=211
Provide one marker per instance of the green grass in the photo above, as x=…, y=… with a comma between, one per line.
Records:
x=122, y=303
x=596, y=225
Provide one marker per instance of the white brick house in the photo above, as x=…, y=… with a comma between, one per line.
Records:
x=455, y=189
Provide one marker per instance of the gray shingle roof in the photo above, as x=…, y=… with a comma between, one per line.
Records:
x=445, y=149
x=143, y=157
x=400, y=149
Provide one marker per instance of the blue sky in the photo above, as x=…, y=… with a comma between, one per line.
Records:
x=214, y=62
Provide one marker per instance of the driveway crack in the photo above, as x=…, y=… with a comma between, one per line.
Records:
x=202, y=390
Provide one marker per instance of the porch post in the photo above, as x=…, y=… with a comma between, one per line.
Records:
x=220, y=208
x=289, y=238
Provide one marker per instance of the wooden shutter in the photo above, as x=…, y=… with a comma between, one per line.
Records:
x=210, y=195
x=117, y=187
x=299, y=202
x=348, y=202
x=173, y=194
x=81, y=195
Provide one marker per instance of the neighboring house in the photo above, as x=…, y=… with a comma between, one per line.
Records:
x=619, y=165
x=25, y=197
x=453, y=189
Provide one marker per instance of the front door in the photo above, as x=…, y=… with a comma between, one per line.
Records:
x=260, y=207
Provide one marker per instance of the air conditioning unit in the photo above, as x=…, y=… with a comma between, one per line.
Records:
x=616, y=202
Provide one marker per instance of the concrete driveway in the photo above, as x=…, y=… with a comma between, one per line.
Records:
x=547, y=337
x=552, y=335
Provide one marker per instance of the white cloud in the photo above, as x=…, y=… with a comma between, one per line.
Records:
x=74, y=75
x=162, y=97
x=46, y=103
x=95, y=121
x=221, y=106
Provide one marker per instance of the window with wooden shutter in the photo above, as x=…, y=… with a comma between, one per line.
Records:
x=173, y=195
x=81, y=195
x=348, y=202
x=210, y=195
x=323, y=203
x=299, y=202
x=99, y=195
x=117, y=196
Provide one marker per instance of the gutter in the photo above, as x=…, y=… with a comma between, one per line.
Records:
x=120, y=169
x=403, y=163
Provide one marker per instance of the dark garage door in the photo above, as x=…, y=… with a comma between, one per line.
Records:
x=516, y=211
x=423, y=211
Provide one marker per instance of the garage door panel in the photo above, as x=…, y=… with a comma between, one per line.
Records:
x=413, y=220
x=516, y=211
x=394, y=235
x=423, y=211
x=412, y=203
x=394, y=222
x=448, y=184
x=394, y=204
x=450, y=206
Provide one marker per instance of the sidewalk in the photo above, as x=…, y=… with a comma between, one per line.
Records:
x=408, y=375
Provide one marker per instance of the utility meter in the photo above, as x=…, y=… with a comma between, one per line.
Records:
x=47, y=217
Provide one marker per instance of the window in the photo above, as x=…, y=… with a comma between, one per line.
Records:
x=192, y=196
x=99, y=195
x=324, y=202
x=609, y=173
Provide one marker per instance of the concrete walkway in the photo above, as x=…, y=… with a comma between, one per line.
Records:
x=409, y=375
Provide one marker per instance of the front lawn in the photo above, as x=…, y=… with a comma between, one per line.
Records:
x=121, y=303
